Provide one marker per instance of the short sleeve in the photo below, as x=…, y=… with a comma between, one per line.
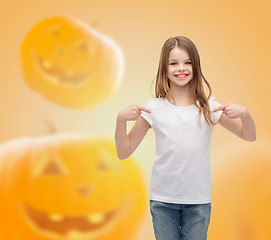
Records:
x=148, y=116
x=214, y=104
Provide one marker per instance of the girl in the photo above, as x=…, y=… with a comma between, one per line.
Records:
x=182, y=118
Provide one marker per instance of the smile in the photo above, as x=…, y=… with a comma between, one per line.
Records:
x=90, y=226
x=181, y=76
x=57, y=75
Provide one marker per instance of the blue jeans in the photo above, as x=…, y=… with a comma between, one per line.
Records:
x=173, y=221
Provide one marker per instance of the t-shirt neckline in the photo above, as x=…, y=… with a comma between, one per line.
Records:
x=188, y=106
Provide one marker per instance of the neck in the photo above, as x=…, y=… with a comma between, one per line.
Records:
x=181, y=96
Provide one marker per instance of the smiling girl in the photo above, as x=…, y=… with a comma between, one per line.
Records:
x=182, y=117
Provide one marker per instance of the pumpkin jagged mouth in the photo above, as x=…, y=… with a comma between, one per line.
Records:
x=74, y=227
x=57, y=75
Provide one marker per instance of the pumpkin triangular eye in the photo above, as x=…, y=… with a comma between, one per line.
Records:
x=82, y=45
x=49, y=164
x=52, y=168
x=55, y=30
x=107, y=162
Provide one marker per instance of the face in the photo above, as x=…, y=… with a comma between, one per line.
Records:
x=180, y=71
x=67, y=188
x=70, y=63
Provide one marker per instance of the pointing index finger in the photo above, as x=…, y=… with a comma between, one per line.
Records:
x=144, y=109
x=222, y=107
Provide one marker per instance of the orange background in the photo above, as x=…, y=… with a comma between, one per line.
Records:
x=232, y=38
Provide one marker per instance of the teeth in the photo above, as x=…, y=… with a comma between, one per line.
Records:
x=181, y=75
x=46, y=64
x=54, y=79
x=73, y=234
x=96, y=218
x=55, y=217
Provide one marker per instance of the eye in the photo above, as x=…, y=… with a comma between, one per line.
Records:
x=49, y=164
x=175, y=63
x=55, y=30
x=82, y=45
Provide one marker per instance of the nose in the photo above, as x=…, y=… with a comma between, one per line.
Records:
x=84, y=190
x=181, y=67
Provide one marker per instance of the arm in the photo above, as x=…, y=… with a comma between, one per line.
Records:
x=248, y=126
x=245, y=128
x=121, y=139
x=127, y=144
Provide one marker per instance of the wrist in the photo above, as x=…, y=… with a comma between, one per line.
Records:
x=120, y=119
x=244, y=112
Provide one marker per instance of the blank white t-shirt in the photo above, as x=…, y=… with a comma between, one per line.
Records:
x=182, y=169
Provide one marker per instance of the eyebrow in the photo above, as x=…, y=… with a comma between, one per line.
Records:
x=176, y=59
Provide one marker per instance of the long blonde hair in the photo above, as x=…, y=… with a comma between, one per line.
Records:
x=196, y=91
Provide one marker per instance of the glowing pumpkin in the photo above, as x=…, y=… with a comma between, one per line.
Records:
x=242, y=196
x=68, y=187
x=71, y=63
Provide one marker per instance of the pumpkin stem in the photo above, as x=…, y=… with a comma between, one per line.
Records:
x=51, y=127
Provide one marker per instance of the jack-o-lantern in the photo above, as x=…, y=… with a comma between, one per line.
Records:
x=68, y=187
x=242, y=195
x=71, y=63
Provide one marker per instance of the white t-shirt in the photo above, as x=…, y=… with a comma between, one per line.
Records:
x=182, y=168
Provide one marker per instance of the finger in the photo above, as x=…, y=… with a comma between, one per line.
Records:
x=138, y=111
x=144, y=109
x=222, y=107
x=137, y=115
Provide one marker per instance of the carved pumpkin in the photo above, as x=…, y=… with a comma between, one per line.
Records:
x=68, y=187
x=71, y=63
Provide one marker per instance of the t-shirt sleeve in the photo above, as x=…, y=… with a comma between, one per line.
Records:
x=148, y=116
x=214, y=104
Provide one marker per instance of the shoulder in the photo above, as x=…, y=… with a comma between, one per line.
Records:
x=213, y=103
x=211, y=99
x=155, y=101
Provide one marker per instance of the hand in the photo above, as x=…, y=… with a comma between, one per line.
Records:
x=231, y=110
x=132, y=112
